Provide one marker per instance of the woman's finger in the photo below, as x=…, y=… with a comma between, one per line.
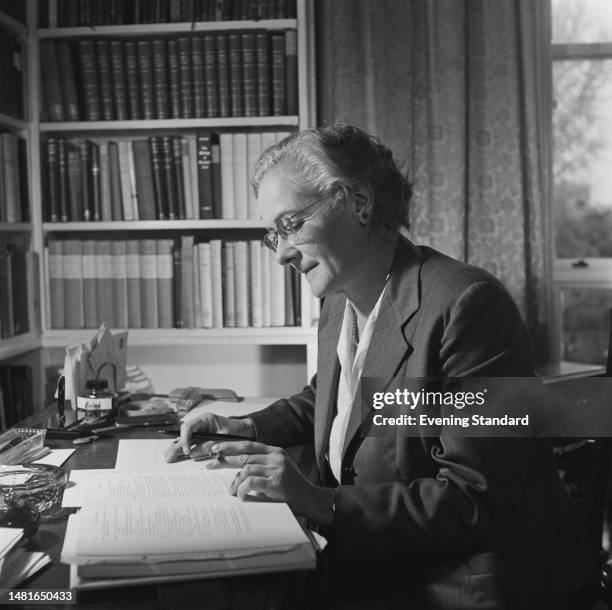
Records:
x=238, y=447
x=250, y=470
x=253, y=485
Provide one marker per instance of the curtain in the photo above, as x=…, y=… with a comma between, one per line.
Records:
x=454, y=88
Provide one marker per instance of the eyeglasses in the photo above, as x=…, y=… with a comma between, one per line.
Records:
x=287, y=226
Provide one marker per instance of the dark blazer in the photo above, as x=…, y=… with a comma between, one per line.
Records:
x=446, y=522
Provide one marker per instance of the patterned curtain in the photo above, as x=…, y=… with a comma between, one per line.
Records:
x=453, y=87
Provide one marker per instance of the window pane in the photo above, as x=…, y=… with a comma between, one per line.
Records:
x=582, y=167
x=585, y=325
x=576, y=21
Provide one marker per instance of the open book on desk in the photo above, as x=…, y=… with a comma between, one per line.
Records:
x=136, y=527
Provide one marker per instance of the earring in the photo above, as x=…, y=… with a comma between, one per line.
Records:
x=363, y=217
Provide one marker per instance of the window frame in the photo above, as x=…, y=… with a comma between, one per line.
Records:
x=572, y=273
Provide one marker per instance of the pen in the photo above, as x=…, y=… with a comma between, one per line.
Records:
x=61, y=399
x=211, y=436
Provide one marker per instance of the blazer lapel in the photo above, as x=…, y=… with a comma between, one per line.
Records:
x=389, y=346
x=328, y=370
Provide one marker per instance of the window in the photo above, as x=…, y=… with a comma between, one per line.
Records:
x=582, y=175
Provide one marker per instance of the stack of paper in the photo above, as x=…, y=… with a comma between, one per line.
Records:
x=172, y=522
x=16, y=565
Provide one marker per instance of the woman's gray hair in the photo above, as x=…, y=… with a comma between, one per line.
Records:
x=332, y=161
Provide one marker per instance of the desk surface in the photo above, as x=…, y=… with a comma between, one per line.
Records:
x=250, y=592
x=562, y=371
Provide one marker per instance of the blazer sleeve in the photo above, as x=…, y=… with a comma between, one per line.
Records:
x=450, y=512
x=289, y=421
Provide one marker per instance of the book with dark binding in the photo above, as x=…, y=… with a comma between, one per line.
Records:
x=105, y=80
x=235, y=73
x=197, y=65
x=174, y=79
x=184, y=51
x=181, y=204
x=249, y=75
x=223, y=81
x=75, y=183
x=279, y=82
x=94, y=181
x=87, y=210
x=132, y=81
x=52, y=180
x=169, y=177
x=89, y=79
x=118, y=79
x=210, y=75
x=62, y=163
x=115, y=181
x=291, y=72
x=205, y=179
x=160, y=78
x=68, y=79
x=263, y=69
x=143, y=168
x=216, y=174
x=145, y=70
x=52, y=84
x=156, y=152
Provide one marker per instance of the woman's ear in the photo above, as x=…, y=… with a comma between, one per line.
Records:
x=363, y=196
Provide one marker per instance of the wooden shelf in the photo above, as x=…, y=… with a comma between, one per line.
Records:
x=14, y=25
x=160, y=337
x=10, y=122
x=157, y=29
x=151, y=225
x=15, y=227
x=20, y=344
x=158, y=124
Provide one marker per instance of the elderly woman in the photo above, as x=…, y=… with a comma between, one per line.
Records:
x=442, y=522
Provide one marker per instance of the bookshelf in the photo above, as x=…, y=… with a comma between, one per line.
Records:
x=19, y=324
x=300, y=328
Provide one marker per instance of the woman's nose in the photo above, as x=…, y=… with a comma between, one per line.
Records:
x=285, y=251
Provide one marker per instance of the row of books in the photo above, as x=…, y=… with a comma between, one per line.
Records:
x=12, y=65
x=202, y=76
x=194, y=176
x=74, y=13
x=16, y=396
x=18, y=290
x=14, y=206
x=160, y=283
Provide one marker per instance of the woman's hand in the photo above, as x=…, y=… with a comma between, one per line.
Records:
x=206, y=423
x=269, y=472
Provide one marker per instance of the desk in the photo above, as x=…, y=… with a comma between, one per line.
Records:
x=241, y=593
x=564, y=371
